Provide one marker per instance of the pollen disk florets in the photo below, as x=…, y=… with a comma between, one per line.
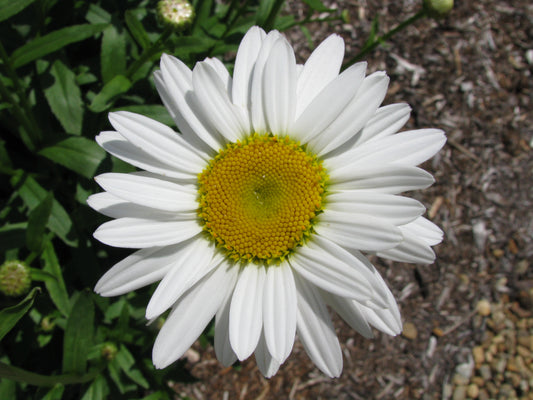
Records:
x=259, y=197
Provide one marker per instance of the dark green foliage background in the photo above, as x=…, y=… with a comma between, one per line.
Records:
x=63, y=66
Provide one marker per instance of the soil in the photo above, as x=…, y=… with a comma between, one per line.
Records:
x=469, y=74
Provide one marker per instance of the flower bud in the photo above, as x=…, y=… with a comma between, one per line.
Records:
x=438, y=8
x=109, y=351
x=178, y=14
x=15, y=279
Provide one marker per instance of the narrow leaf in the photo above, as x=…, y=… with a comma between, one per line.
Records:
x=154, y=111
x=32, y=194
x=56, y=287
x=137, y=29
x=317, y=5
x=115, y=87
x=56, y=393
x=38, y=219
x=20, y=375
x=98, y=390
x=52, y=42
x=78, y=334
x=64, y=98
x=8, y=8
x=11, y=315
x=113, y=54
x=79, y=154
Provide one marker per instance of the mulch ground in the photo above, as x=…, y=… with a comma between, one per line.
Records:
x=469, y=323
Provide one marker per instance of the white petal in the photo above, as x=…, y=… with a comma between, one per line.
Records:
x=140, y=233
x=246, y=313
x=223, y=350
x=425, y=230
x=322, y=66
x=114, y=207
x=256, y=92
x=407, y=148
x=178, y=81
x=338, y=271
x=158, y=140
x=115, y=144
x=149, y=192
x=316, y=331
x=222, y=72
x=329, y=103
x=354, y=117
x=137, y=270
x=396, y=209
x=217, y=107
x=386, y=121
x=244, y=65
x=279, y=88
x=358, y=231
x=391, y=179
x=412, y=250
x=279, y=311
x=350, y=311
x=267, y=364
x=191, y=315
x=194, y=262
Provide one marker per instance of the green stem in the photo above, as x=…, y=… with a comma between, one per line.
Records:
x=34, y=132
x=367, y=48
x=21, y=375
x=148, y=53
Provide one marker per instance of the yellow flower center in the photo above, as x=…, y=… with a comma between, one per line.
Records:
x=258, y=198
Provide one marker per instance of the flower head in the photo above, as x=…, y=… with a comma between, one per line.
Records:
x=260, y=211
x=15, y=278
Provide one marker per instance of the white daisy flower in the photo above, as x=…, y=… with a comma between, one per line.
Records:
x=260, y=212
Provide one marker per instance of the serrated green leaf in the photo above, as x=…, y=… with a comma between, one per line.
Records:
x=11, y=315
x=113, y=53
x=8, y=8
x=98, y=390
x=78, y=154
x=32, y=194
x=37, y=221
x=115, y=87
x=78, y=334
x=125, y=360
x=56, y=288
x=136, y=29
x=64, y=98
x=52, y=42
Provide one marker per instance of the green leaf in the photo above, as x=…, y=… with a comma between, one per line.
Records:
x=317, y=5
x=10, y=316
x=137, y=29
x=56, y=393
x=20, y=375
x=97, y=15
x=32, y=194
x=64, y=98
x=79, y=334
x=8, y=8
x=115, y=87
x=52, y=42
x=56, y=287
x=98, y=390
x=154, y=111
x=79, y=154
x=125, y=360
x=8, y=389
x=113, y=54
x=38, y=219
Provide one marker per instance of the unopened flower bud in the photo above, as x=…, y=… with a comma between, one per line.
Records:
x=438, y=8
x=109, y=351
x=15, y=279
x=178, y=14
